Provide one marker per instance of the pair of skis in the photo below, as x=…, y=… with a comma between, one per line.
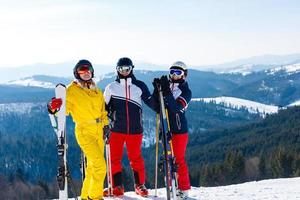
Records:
x=58, y=122
x=167, y=159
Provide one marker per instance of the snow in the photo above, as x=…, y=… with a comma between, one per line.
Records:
x=264, y=87
x=289, y=69
x=296, y=103
x=30, y=82
x=237, y=103
x=279, y=189
x=20, y=108
x=106, y=76
x=244, y=70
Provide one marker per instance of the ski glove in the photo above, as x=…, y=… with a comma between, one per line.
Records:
x=106, y=133
x=54, y=105
x=156, y=84
x=165, y=86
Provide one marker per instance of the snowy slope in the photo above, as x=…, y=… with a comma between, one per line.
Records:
x=252, y=106
x=296, y=103
x=30, y=82
x=289, y=69
x=243, y=69
x=19, y=108
x=273, y=189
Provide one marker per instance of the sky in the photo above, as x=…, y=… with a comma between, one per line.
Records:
x=198, y=32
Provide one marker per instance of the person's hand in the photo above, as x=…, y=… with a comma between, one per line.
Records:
x=165, y=85
x=155, y=83
x=106, y=133
x=54, y=105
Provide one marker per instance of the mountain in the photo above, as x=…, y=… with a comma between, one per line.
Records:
x=265, y=149
x=65, y=69
x=232, y=102
x=253, y=64
x=41, y=81
x=61, y=70
x=227, y=143
x=278, y=86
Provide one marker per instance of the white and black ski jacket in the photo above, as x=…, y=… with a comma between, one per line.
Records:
x=123, y=99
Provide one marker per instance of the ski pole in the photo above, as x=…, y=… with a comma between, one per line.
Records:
x=172, y=150
x=164, y=129
x=108, y=166
x=156, y=152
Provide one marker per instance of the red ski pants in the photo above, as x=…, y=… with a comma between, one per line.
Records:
x=133, y=144
x=179, y=143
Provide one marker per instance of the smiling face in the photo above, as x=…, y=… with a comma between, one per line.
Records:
x=176, y=74
x=86, y=75
x=85, y=72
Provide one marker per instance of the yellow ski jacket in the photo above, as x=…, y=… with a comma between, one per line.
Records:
x=87, y=106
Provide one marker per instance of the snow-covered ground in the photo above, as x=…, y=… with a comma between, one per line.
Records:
x=252, y=106
x=273, y=189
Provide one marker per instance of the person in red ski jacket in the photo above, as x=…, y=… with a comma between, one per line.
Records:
x=123, y=99
x=177, y=96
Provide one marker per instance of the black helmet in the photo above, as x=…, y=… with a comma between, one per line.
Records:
x=125, y=62
x=82, y=63
x=124, y=65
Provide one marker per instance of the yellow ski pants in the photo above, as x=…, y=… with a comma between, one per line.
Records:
x=91, y=142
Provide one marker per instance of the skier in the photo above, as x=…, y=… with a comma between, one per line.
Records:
x=85, y=103
x=123, y=98
x=177, y=95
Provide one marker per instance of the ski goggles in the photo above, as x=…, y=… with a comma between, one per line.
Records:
x=124, y=68
x=85, y=69
x=176, y=72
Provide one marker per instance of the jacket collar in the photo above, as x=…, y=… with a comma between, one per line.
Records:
x=129, y=80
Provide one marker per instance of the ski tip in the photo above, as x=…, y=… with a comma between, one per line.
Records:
x=60, y=84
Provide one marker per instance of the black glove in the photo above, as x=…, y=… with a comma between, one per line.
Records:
x=165, y=86
x=106, y=133
x=155, y=84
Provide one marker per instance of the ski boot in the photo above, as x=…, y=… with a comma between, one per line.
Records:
x=116, y=191
x=182, y=194
x=141, y=190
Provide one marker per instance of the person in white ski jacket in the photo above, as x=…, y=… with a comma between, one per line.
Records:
x=124, y=98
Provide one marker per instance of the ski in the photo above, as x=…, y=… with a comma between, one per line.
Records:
x=58, y=122
x=168, y=157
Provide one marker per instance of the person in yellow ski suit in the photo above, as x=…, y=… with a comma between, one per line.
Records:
x=85, y=103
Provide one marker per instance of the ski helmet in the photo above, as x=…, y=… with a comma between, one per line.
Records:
x=124, y=65
x=80, y=64
x=181, y=66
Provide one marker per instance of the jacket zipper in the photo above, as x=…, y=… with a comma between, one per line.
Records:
x=127, y=111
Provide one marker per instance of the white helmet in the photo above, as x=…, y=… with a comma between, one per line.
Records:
x=180, y=65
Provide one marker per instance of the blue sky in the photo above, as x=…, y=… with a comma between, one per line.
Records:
x=158, y=31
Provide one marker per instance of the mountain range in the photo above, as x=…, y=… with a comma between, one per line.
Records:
x=278, y=86
x=247, y=112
